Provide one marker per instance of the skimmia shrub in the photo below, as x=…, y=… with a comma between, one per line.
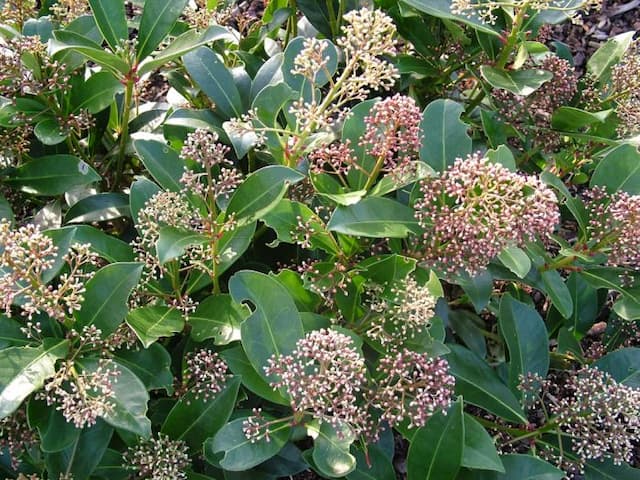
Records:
x=351, y=238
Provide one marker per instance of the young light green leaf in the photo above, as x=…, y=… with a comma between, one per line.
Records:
x=152, y=323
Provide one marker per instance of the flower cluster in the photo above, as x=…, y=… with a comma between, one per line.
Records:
x=534, y=111
x=14, y=143
x=200, y=16
x=412, y=386
x=625, y=82
x=614, y=226
x=65, y=11
x=475, y=209
x=82, y=396
x=324, y=376
x=16, y=12
x=601, y=415
x=407, y=313
x=205, y=375
x=27, y=256
x=16, y=436
x=158, y=459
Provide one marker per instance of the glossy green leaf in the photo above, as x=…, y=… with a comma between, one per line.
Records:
x=388, y=268
x=108, y=247
x=374, y=217
x=445, y=136
x=218, y=317
x=111, y=21
x=52, y=175
x=522, y=467
x=173, y=243
x=24, y=370
x=378, y=466
x=99, y=208
x=130, y=398
x=442, y=9
x=260, y=192
x=571, y=119
x=479, y=288
x=240, y=365
x=107, y=292
x=83, y=455
x=151, y=365
x=558, y=292
x=196, y=419
x=269, y=73
x=140, y=193
x=274, y=327
x=479, y=448
x=239, y=452
x=607, y=470
x=184, y=44
x=585, y=301
x=435, y=452
x=96, y=93
x=215, y=80
x=519, y=82
x=481, y=386
x=158, y=18
x=526, y=337
x=111, y=467
x=610, y=53
x=464, y=324
x=619, y=170
x=623, y=365
x=233, y=244
x=49, y=132
x=331, y=449
x=11, y=334
x=516, y=260
x=162, y=162
x=152, y=323
x=56, y=433
x=67, y=40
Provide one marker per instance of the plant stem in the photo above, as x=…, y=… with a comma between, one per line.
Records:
x=124, y=130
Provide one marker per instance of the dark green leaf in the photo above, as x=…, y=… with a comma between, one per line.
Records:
x=49, y=132
x=152, y=323
x=274, y=327
x=162, y=162
x=111, y=21
x=436, y=449
x=571, y=119
x=233, y=244
x=141, y=191
x=241, y=453
x=151, y=365
x=623, y=365
x=158, y=18
x=478, y=288
x=445, y=136
x=96, y=93
x=525, y=333
x=218, y=317
x=479, y=449
x=130, y=398
x=480, y=385
x=619, y=170
x=260, y=192
x=67, y=40
x=374, y=217
x=522, y=467
x=108, y=247
x=558, y=291
x=111, y=467
x=215, y=80
x=585, y=302
x=463, y=323
x=520, y=82
x=23, y=370
x=105, y=300
x=387, y=269
x=6, y=211
x=11, y=334
x=607, y=470
x=196, y=419
x=378, y=467
x=56, y=433
x=269, y=73
x=574, y=205
x=610, y=53
x=52, y=175
x=99, y=208
x=442, y=9
x=240, y=365
x=83, y=455
x=516, y=260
